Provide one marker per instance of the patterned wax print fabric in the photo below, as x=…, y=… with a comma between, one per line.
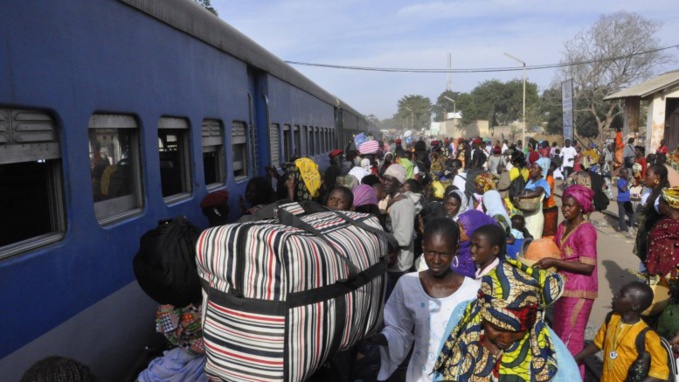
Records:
x=662, y=256
x=485, y=181
x=470, y=221
x=182, y=327
x=578, y=178
x=512, y=297
x=308, y=171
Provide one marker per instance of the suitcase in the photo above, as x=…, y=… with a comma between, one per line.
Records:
x=283, y=295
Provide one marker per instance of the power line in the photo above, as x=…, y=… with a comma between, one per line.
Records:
x=480, y=70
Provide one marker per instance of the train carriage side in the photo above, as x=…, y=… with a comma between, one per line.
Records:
x=113, y=116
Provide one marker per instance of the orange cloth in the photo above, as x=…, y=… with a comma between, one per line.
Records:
x=619, y=146
x=549, y=202
x=615, y=370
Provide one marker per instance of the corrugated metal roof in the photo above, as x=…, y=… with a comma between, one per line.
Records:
x=649, y=87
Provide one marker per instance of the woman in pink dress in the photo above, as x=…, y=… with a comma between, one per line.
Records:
x=576, y=238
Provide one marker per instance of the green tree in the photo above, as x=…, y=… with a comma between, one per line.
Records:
x=499, y=102
x=551, y=110
x=628, y=37
x=415, y=111
x=207, y=5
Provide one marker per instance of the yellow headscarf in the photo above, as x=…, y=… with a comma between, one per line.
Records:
x=671, y=196
x=308, y=170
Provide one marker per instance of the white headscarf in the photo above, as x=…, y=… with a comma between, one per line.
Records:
x=464, y=202
x=492, y=201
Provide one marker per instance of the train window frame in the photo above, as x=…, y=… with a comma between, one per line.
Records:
x=274, y=145
x=31, y=138
x=240, y=146
x=121, y=207
x=212, y=141
x=287, y=142
x=296, y=144
x=182, y=132
x=304, y=141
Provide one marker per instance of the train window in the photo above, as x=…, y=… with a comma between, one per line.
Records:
x=304, y=148
x=274, y=142
x=297, y=149
x=212, y=137
x=116, y=171
x=312, y=145
x=239, y=146
x=31, y=182
x=325, y=139
x=287, y=143
x=173, y=149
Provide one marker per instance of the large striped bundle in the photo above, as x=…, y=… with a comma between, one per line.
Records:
x=281, y=300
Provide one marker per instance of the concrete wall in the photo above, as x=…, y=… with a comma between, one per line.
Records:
x=655, y=124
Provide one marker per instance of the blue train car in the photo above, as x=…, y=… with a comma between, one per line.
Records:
x=115, y=114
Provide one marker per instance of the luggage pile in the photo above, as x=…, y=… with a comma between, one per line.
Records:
x=283, y=295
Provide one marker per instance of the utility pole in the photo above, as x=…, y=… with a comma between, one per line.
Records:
x=523, y=129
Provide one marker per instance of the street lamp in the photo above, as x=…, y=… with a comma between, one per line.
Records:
x=523, y=129
x=451, y=100
x=412, y=117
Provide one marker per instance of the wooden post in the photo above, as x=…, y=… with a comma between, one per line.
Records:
x=632, y=110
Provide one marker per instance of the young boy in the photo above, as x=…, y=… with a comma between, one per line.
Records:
x=487, y=246
x=624, y=204
x=617, y=337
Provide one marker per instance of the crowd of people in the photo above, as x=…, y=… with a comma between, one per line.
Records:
x=482, y=256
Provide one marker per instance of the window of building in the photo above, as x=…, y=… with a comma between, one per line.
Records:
x=239, y=147
x=31, y=181
x=274, y=143
x=212, y=137
x=116, y=171
x=173, y=149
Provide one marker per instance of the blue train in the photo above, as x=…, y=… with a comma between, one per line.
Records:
x=115, y=114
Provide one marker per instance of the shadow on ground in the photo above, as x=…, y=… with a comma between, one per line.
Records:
x=616, y=276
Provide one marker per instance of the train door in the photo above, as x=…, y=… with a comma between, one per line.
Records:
x=261, y=154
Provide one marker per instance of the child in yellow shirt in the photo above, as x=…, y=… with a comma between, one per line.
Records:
x=617, y=337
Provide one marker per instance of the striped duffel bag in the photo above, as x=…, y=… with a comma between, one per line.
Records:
x=283, y=295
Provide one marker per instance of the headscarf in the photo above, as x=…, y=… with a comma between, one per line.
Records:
x=464, y=202
x=364, y=194
x=365, y=163
x=492, y=201
x=308, y=171
x=582, y=195
x=471, y=220
x=397, y=171
x=671, y=196
x=588, y=158
x=512, y=297
x=485, y=181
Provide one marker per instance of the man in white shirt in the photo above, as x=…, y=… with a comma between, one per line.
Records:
x=568, y=155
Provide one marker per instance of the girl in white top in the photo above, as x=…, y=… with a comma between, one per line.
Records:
x=421, y=304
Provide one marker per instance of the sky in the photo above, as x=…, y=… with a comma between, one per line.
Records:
x=421, y=34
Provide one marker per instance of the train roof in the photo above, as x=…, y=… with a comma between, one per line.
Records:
x=193, y=19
